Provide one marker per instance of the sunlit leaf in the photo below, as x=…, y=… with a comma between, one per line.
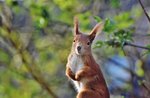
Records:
x=109, y=26
x=97, y=18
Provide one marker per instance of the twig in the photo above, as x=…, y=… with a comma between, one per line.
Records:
x=146, y=85
x=144, y=10
x=134, y=45
x=117, y=44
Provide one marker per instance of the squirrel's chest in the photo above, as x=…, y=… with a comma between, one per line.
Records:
x=76, y=63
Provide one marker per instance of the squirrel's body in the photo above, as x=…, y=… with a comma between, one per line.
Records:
x=83, y=70
x=76, y=64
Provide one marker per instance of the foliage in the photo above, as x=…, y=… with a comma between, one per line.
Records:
x=36, y=38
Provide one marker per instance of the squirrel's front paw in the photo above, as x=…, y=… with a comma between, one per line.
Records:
x=78, y=77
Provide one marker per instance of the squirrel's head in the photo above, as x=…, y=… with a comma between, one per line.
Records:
x=82, y=42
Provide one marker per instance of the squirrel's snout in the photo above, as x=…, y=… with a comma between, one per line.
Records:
x=78, y=49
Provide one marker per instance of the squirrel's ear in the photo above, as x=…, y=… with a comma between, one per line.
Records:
x=97, y=28
x=76, y=26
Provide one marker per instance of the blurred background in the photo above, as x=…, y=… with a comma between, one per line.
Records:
x=36, y=38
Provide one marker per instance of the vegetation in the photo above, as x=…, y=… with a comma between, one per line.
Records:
x=36, y=37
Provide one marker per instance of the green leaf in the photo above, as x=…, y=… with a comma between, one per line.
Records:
x=97, y=18
x=123, y=35
x=99, y=44
x=109, y=26
x=124, y=20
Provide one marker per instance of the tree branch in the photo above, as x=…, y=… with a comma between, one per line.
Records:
x=137, y=46
x=118, y=44
x=34, y=72
x=31, y=66
x=146, y=85
x=144, y=10
x=36, y=76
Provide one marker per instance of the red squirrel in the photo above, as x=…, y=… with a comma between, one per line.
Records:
x=81, y=67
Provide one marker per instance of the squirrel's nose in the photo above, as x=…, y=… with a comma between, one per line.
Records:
x=79, y=48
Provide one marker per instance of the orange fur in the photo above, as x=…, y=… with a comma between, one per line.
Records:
x=82, y=69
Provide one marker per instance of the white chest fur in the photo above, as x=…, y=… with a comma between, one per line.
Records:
x=76, y=64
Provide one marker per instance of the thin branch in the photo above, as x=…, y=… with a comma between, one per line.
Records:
x=144, y=10
x=137, y=46
x=117, y=44
x=146, y=86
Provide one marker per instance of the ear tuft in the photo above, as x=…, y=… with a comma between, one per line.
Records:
x=76, y=26
x=97, y=28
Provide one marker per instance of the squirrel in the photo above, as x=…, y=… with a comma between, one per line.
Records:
x=82, y=68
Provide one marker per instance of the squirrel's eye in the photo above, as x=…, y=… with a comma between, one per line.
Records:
x=73, y=40
x=88, y=43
